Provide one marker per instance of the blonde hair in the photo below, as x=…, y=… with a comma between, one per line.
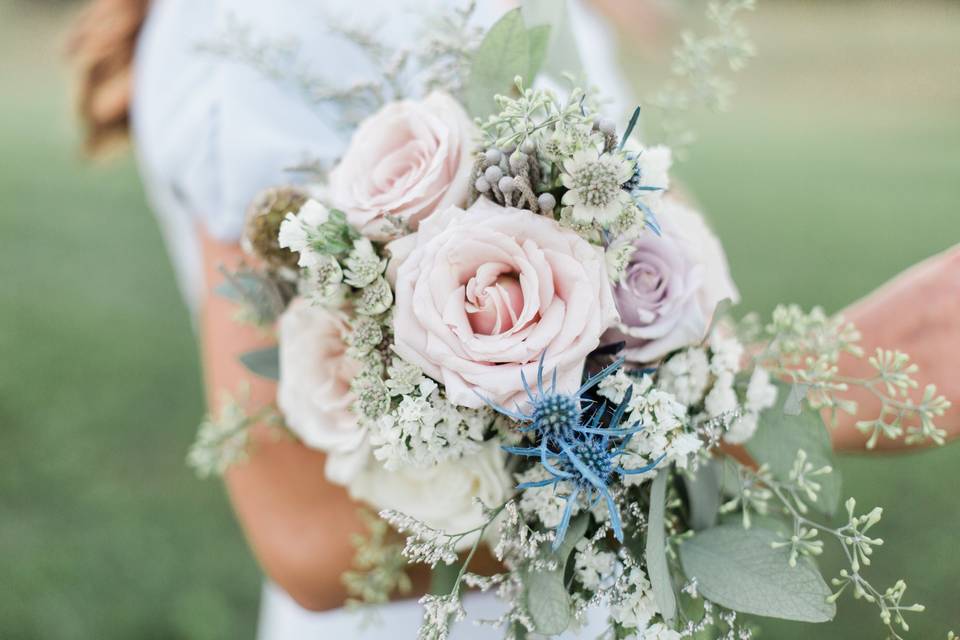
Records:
x=101, y=48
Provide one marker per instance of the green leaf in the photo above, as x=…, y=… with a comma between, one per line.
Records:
x=538, y=38
x=548, y=601
x=562, y=57
x=260, y=294
x=780, y=434
x=703, y=491
x=737, y=569
x=629, y=130
x=263, y=362
x=657, y=567
x=503, y=54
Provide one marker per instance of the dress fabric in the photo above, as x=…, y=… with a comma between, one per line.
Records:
x=211, y=130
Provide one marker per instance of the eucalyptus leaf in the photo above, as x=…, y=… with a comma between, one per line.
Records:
x=561, y=58
x=793, y=405
x=780, y=435
x=738, y=569
x=548, y=602
x=703, y=492
x=256, y=291
x=263, y=362
x=538, y=39
x=503, y=55
x=657, y=568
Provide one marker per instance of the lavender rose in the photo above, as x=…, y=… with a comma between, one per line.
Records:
x=482, y=293
x=671, y=286
x=404, y=162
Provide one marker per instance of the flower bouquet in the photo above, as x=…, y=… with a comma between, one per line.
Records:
x=504, y=328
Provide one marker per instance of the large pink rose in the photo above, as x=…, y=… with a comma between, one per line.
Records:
x=406, y=161
x=482, y=293
x=314, y=388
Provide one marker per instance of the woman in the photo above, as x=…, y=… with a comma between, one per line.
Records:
x=210, y=132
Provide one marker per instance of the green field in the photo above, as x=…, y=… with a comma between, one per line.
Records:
x=838, y=167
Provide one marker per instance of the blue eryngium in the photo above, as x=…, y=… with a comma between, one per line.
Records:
x=582, y=453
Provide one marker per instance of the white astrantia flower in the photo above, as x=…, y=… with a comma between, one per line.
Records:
x=686, y=375
x=594, y=569
x=594, y=182
x=363, y=265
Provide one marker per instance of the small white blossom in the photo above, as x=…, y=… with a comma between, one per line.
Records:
x=686, y=375
x=635, y=606
x=295, y=231
x=546, y=504
x=425, y=429
x=593, y=568
x=722, y=397
x=761, y=393
x=742, y=428
x=727, y=352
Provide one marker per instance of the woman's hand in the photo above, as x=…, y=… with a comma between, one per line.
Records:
x=918, y=312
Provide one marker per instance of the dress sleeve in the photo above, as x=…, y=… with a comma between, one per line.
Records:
x=212, y=129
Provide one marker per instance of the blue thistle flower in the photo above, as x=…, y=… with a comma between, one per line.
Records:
x=581, y=453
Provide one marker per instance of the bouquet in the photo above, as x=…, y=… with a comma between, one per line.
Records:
x=505, y=329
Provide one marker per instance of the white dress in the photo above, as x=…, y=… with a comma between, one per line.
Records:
x=211, y=131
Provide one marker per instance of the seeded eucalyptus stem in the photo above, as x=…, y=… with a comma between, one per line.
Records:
x=853, y=542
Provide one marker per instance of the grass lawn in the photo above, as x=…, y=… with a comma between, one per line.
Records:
x=837, y=168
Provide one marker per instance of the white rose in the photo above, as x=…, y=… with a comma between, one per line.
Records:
x=443, y=496
x=313, y=392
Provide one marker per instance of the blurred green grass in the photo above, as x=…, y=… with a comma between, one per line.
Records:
x=837, y=168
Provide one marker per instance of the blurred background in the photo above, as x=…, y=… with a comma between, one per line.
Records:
x=838, y=166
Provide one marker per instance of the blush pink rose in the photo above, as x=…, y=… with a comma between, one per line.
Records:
x=313, y=392
x=406, y=161
x=482, y=293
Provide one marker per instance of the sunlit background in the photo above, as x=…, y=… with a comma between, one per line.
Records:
x=837, y=167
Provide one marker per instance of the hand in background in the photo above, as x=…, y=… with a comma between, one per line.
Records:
x=918, y=312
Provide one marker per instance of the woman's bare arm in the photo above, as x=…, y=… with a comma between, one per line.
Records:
x=298, y=524
x=918, y=312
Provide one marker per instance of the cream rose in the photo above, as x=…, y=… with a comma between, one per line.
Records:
x=482, y=293
x=671, y=285
x=314, y=388
x=406, y=161
x=442, y=496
